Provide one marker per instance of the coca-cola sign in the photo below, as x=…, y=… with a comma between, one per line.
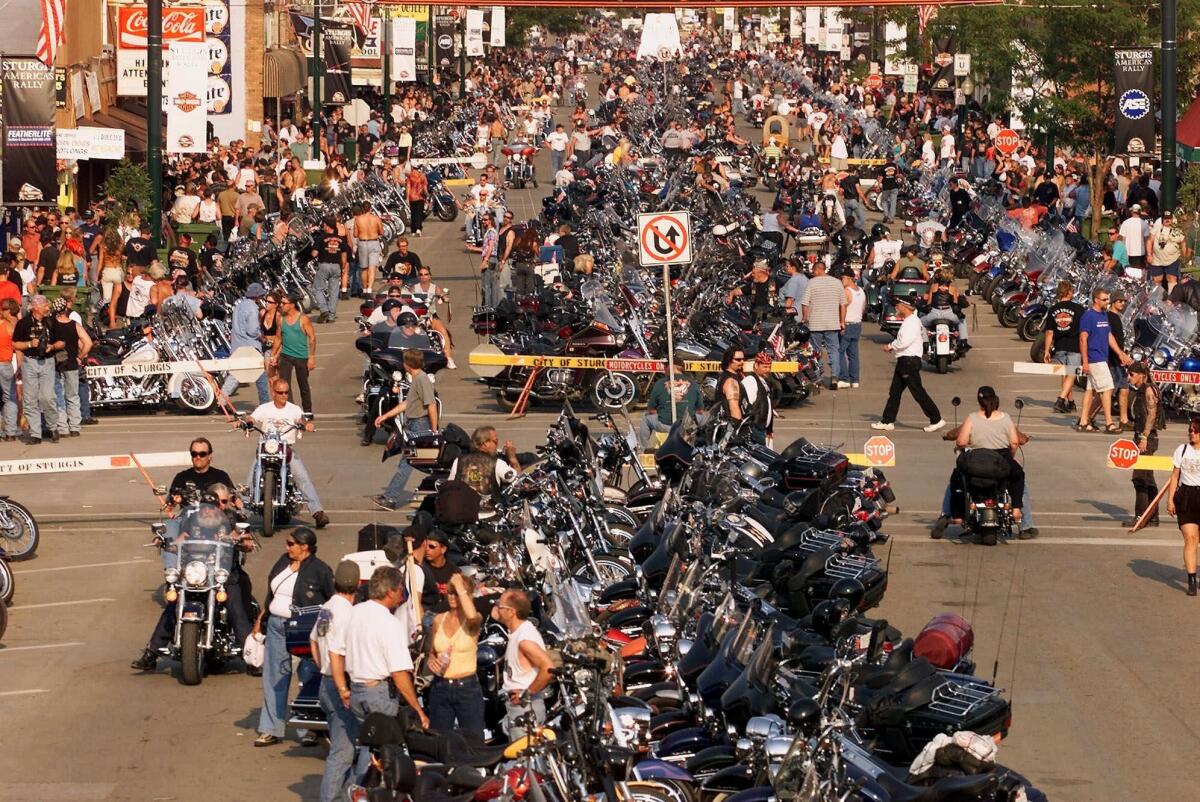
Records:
x=179, y=24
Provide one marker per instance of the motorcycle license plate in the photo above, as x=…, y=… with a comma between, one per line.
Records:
x=980, y=259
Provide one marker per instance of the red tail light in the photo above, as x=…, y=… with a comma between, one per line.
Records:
x=991, y=502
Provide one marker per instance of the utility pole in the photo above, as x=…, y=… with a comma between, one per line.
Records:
x=1169, y=103
x=385, y=22
x=154, y=62
x=314, y=67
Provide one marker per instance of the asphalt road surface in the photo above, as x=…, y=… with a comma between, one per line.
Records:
x=1088, y=627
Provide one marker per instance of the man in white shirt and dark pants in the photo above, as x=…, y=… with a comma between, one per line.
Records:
x=374, y=651
x=343, y=726
x=907, y=349
x=526, y=662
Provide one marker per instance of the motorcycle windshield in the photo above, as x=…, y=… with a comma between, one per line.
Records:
x=725, y=618
x=745, y=639
x=762, y=661
x=214, y=555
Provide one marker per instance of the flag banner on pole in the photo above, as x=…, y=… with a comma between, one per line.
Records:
x=404, y=49
x=1134, y=88
x=474, y=40
x=187, y=112
x=338, y=41
x=30, y=177
x=497, y=39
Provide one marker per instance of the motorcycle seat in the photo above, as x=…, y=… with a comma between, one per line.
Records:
x=539, y=347
x=773, y=520
x=452, y=749
x=947, y=789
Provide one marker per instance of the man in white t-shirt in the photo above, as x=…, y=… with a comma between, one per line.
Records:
x=343, y=726
x=287, y=132
x=288, y=419
x=373, y=650
x=1135, y=233
x=556, y=141
x=948, y=151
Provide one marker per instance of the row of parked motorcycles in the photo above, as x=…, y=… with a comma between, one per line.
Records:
x=711, y=629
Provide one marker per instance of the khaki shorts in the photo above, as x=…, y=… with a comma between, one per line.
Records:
x=1100, y=378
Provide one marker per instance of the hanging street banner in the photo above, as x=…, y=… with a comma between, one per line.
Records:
x=180, y=24
x=1134, y=88
x=187, y=112
x=444, y=33
x=87, y=142
x=404, y=49
x=473, y=41
x=338, y=41
x=30, y=174
x=497, y=29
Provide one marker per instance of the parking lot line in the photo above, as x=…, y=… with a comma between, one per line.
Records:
x=8, y=649
x=59, y=604
x=74, y=567
x=30, y=692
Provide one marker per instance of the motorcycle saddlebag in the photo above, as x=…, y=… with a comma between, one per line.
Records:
x=945, y=641
x=826, y=470
x=298, y=629
x=983, y=463
x=437, y=451
x=457, y=503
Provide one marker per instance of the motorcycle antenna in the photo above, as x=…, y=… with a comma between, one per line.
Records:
x=1012, y=579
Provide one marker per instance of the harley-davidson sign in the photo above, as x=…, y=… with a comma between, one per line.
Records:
x=187, y=101
x=179, y=24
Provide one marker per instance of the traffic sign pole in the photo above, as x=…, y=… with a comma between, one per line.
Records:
x=670, y=342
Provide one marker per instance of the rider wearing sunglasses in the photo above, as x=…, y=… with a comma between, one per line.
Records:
x=202, y=475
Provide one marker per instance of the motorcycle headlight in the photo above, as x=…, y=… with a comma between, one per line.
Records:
x=397, y=376
x=171, y=575
x=195, y=573
x=1137, y=353
x=222, y=576
x=271, y=446
x=1161, y=357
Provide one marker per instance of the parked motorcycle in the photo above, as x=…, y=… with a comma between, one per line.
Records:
x=18, y=530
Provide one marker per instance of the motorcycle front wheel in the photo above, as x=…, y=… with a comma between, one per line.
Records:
x=611, y=568
x=18, y=531
x=3, y=619
x=8, y=585
x=1030, y=330
x=943, y=364
x=446, y=212
x=269, y=480
x=191, y=657
x=196, y=394
x=614, y=391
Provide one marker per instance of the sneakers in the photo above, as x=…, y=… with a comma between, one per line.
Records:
x=1191, y=587
x=321, y=519
x=1061, y=405
x=1027, y=534
x=450, y=364
x=933, y=427
x=266, y=739
x=385, y=503
x=883, y=427
x=841, y=385
x=147, y=662
x=310, y=739
x=854, y=385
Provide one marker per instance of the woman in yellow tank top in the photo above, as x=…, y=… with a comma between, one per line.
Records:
x=455, y=695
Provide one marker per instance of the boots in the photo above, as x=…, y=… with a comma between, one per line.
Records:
x=1139, y=506
x=147, y=662
x=1191, y=591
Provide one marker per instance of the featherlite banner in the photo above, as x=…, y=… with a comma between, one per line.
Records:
x=30, y=177
x=1134, y=87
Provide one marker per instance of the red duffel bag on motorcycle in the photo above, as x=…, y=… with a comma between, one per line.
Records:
x=945, y=640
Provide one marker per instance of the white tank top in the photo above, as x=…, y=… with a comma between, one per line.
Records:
x=858, y=302
x=517, y=678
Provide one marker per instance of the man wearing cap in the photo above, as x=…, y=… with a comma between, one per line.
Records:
x=420, y=416
x=1168, y=249
x=246, y=332
x=907, y=349
x=757, y=388
x=333, y=262
x=33, y=340
x=1135, y=233
x=330, y=628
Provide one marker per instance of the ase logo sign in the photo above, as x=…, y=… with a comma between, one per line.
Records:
x=1134, y=104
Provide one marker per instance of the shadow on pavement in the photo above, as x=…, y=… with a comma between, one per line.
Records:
x=1169, y=575
x=1115, y=510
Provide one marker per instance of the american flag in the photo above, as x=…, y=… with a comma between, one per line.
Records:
x=51, y=35
x=776, y=342
x=361, y=14
x=925, y=15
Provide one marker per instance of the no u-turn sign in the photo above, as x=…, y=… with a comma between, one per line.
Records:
x=665, y=238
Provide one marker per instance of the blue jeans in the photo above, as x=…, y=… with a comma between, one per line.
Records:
x=934, y=315
x=66, y=394
x=38, y=375
x=230, y=386
x=8, y=390
x=828, y=341
x=364, y=701
x=848, y=352
x=277, y=679
x=85, y=406
x=887, y=202
x=325, y=287
x=395, y=489
x=556, y=160
x=343, y=732
x=1026, y=506
x=489, y=287
x=461, y=700
x=300, y=479
x=855, y=212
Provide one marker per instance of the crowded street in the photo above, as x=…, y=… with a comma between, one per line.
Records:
x=626, y=359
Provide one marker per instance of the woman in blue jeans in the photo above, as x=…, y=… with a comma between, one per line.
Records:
x=455, y=695
x=856, y=302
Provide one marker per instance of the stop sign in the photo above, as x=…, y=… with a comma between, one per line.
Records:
x=874, y=81
x=1007, y=141
x=880, y=452
x=1123, y=454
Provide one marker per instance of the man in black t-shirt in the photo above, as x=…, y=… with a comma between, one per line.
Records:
x=438, y=569
x=853, y=200
x=1061, y=344
x=47, y=261
x=138, y=250
x=403, y=262
x=889, y=189
x=182, y=257
x=333, y=259
x=202, y=474
x=366, y=143
x=211, y=260
x=76, y=344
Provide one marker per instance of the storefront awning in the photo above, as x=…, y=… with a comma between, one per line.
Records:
x=283, y=72
x=1187, y=134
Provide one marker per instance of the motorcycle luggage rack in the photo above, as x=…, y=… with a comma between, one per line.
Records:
x=849, y=566
x=962, y=698
x=814, y=539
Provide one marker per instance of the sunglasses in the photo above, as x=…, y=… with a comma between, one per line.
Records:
x=738, y=359
x=200, y=453
x=289, y=543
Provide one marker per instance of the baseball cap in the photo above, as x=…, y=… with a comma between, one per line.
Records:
x=1137, y=207
x=902, y=299
x=347, y=574
x=256, y=290
x=392, y=303
x=1168, y=213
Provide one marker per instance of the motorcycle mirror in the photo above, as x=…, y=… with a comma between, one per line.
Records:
x=1019, y=404
x=242, y=526
x=955, y=401
x=160, y=490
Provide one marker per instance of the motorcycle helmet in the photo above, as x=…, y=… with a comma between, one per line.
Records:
x=804, y=717
x=879, y=231
x=406, y=319
x=849, y=590
x=828, y=616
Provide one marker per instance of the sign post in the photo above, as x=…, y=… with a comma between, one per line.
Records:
x=666, y=239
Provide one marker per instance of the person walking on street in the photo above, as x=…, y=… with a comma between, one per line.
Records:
x=76, y=345
x=527, y=665
x=343, y=726
x=907, y=349
x=374, y=654
x=1148, y=417
x=1183, y=498
x=1095, y=340
x=246, y=332
x=823, y=308
x=455, y=696
x=333, y=261
x=417, y=187
x=32, y=338
x=856, y=304
x=420, y=416
x=298, y=579
x=295, y=349
x=489, y=279
x=1062, y=343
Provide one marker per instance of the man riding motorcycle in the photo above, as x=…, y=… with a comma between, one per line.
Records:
x=944, y=301
x=215, y=518
x=202, y=476
x=281, y=414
